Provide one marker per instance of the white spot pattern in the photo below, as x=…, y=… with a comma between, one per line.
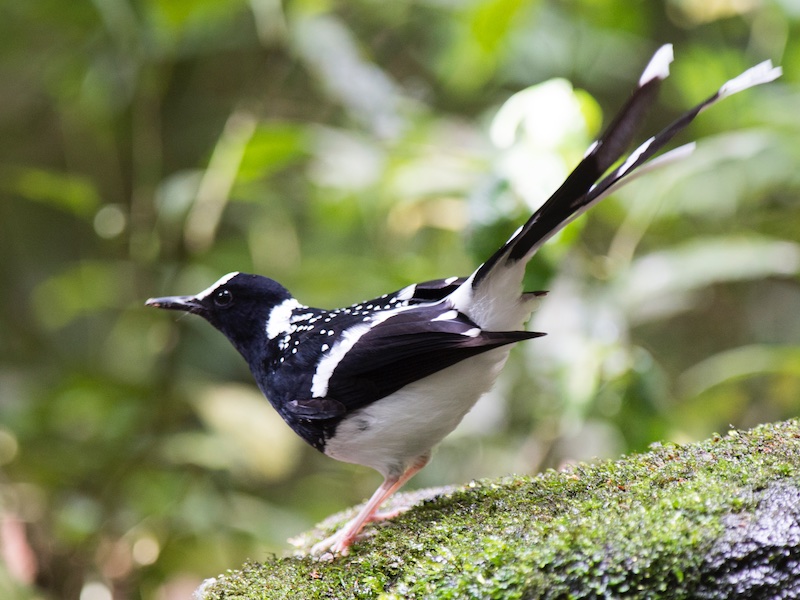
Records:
x=340, y=348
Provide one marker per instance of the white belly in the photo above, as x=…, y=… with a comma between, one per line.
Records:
x=389, y=434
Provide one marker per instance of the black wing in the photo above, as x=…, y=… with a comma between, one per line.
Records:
x=422, y=336
x=408, y=347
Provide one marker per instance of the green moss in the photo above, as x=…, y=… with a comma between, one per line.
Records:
x=633, y=527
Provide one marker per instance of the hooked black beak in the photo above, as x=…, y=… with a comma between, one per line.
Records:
x=188, y=304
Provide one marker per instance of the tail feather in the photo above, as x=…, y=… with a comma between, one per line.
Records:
x=762, y=73
x=586, y=184
x=598, y=158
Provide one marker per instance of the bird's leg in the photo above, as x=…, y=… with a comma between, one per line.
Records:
x=340, y=542
x=415, y=468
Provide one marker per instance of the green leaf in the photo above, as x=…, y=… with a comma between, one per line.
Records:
x=69, y=192
x=272, y=147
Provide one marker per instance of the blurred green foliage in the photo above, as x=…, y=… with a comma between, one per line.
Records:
x=346, y=149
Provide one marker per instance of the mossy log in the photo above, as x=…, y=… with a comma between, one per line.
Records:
x=716, y=519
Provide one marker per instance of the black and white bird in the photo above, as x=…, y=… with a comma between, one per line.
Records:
x=381, y=382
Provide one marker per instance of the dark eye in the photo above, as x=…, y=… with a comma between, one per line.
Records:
x=223, y=298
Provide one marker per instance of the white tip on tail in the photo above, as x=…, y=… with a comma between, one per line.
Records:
x=762, y=73
x=658, y=67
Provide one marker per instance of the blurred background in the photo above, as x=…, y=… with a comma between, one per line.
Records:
x=347, y=149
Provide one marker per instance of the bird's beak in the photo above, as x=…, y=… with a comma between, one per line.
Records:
x=188, y=304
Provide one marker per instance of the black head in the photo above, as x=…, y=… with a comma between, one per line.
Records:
x=238, y=305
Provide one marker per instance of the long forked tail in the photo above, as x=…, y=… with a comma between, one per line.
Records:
x=588, y=183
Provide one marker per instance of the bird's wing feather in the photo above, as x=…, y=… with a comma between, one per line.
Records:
x=317, y=408
x=407, y=347
x=436, y=289
x=417, y=293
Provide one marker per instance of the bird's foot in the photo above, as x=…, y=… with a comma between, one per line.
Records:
x=337, y=544
x=340, y=542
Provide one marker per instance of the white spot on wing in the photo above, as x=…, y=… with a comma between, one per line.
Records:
x=305, y=317
x=348, y=339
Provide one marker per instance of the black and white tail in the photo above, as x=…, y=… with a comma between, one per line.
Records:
x=491, y=295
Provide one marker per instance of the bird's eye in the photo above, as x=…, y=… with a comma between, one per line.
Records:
x=223, y=298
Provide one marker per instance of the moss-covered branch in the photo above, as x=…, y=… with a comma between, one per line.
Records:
x=717, y=519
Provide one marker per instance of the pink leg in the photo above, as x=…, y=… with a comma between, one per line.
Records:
x=340, y=542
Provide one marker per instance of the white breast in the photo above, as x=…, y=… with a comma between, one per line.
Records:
x=389, y=434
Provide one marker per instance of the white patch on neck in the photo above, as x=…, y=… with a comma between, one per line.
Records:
x=280, y=318
x=221, y=281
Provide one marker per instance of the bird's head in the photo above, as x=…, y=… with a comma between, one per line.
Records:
x=238, y=305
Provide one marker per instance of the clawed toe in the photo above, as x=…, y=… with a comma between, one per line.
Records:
x=337, y=544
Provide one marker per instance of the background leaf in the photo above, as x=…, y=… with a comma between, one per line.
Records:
x=348, y=149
